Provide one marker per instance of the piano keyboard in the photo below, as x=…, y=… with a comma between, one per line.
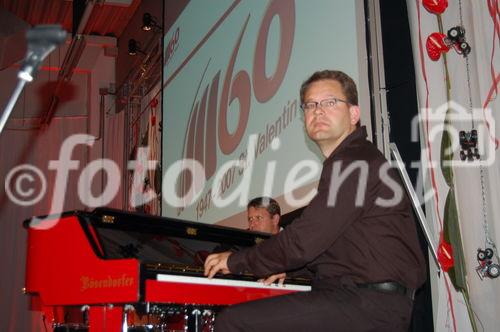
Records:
x=230, y=283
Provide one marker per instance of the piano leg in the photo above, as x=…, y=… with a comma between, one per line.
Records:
x=105, y=318
x=195, y=323
x=49, y=317
x=60, y=318
x=200, y=320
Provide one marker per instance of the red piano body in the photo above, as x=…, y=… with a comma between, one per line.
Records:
x=101, y=270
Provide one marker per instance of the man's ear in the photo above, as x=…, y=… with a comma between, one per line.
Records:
x=276, y=219
x=355, y=114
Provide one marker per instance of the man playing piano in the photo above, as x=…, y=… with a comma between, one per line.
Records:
x=357, y=237
x=264, y=215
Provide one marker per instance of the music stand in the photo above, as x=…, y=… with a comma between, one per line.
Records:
x=414, y=201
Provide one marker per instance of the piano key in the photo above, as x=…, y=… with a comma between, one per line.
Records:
x=230, y=283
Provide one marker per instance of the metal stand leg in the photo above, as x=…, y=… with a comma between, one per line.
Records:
x=415, y=202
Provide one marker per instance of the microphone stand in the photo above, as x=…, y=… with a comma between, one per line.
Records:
x=12, y=101
x=42, y=40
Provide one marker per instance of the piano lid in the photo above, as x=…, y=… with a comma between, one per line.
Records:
x=116, y=234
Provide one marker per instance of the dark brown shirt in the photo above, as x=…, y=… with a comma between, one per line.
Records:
x=337, y=237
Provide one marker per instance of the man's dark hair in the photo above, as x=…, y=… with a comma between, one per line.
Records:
x=265, y=202
x=348, y=86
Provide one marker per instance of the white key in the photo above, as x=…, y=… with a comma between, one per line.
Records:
x=230, y=282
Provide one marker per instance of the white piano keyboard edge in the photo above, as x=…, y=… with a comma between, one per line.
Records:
x=230, y=283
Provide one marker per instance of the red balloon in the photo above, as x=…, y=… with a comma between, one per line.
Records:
x=436, y=45
x=435, y=6
x=445, y=255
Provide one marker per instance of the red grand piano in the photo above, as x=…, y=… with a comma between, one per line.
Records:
x=109, y=270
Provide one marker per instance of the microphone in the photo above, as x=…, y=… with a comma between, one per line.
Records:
x=42, y=40
x=50, y=33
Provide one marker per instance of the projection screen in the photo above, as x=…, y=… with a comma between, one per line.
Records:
x=232, y=125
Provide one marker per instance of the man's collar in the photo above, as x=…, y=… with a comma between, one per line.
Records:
x=358, y=133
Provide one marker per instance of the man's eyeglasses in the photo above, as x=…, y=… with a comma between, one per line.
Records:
x=325, y=104
x=256, y=218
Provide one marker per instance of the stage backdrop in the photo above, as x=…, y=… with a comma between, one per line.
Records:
x=232, y=73
x=461, y=197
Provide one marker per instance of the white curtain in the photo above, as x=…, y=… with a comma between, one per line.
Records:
x=477, y=193
x=113, y=149
x=34, y=148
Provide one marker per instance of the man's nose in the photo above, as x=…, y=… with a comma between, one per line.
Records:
x=318, y=110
